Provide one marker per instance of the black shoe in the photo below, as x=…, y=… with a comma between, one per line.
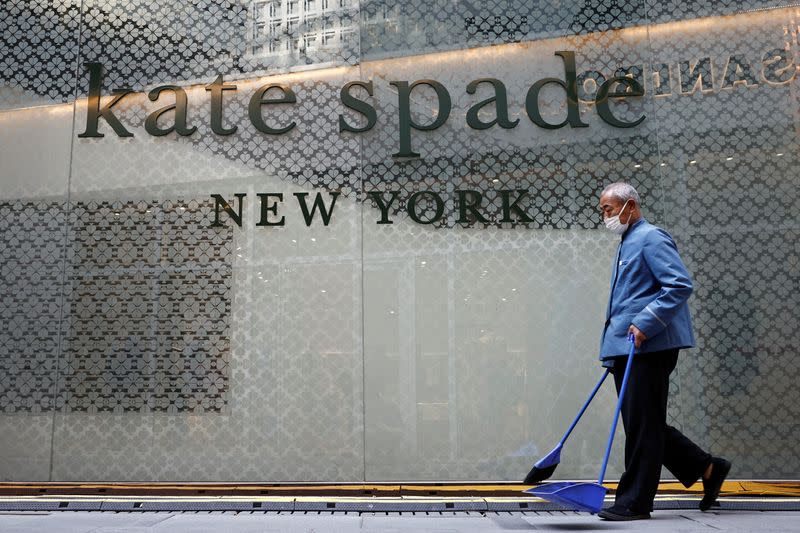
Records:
x=713, y=484
x=620, y=514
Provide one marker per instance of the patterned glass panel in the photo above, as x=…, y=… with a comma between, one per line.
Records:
x=139, y=342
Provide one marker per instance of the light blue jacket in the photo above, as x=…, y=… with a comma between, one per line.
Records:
x=650, y=287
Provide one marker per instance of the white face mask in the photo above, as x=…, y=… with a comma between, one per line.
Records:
x=614, y=225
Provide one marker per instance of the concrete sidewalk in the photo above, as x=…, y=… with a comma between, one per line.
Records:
x=449, y=522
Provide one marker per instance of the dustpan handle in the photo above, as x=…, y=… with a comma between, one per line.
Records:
x=631, y=338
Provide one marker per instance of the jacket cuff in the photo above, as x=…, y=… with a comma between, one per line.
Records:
x=649, y=322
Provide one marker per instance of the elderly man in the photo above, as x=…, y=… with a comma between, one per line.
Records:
x=649, y=290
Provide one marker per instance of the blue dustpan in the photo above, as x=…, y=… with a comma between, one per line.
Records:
x=583, y=496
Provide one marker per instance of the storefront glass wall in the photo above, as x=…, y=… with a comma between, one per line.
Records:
x=430, y=307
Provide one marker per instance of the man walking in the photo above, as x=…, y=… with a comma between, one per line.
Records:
x=650, y=287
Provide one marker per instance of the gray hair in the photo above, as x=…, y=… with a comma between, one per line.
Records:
x=623, y=192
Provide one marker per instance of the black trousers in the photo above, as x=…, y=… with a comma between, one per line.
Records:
x=649, y=441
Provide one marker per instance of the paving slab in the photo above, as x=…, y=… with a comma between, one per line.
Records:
x=678, y=521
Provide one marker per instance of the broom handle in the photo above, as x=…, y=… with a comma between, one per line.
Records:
x=583, y=409
x=616, y=412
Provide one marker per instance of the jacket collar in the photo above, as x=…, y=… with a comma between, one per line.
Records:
x=636, y=225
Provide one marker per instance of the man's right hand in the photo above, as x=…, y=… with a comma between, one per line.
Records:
x=638, y=336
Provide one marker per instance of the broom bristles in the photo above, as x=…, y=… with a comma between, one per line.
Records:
x=537, y=474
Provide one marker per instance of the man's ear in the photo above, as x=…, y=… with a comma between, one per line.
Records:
x=632, y=209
